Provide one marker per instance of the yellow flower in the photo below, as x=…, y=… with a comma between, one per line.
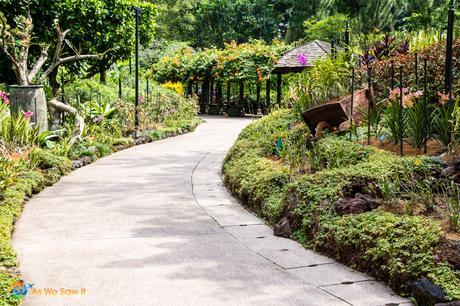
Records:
x=417, y=162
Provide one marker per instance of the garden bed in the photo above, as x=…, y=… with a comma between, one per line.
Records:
x=370, y=209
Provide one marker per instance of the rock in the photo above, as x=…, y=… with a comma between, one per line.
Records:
x=427, y=293
x=450, y=252
x=456, y=164
x=438, y=160
x=77, y=164
x=283, y=228
x=361, y=203
x=454, y=303
x=449, y=171
x=371, y=202
x=86, y=160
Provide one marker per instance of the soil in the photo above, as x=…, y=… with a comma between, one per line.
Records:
x=433, y=147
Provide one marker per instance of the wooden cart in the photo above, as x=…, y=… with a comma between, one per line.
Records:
x=334, y=116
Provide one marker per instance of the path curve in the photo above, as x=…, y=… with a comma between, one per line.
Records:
x=154, y=225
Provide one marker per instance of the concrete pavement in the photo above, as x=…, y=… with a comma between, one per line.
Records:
x=154, y=225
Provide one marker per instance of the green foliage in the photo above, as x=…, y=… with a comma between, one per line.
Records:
x=338, y=152
x=451, y=195
x=392, y=121
x=418, y=124
x=45, y=160
x=251, y=61
x=16, y=130
x=111, y=30
x=326, y=29
x=394, y=248
x=6, y=280
x=442, y=124
x=448, y=279
x=326, y=80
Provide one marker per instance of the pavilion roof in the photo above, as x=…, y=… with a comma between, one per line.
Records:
x=313, y=51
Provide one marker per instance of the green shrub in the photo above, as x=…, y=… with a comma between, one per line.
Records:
x=102, y=149
x=46, y=160
x=6, y=280
x=395, y=248
x=124, y=141
x=398, y=249
x=80, y=150
x=10, y=209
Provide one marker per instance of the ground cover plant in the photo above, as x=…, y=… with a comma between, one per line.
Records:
x=373, y=210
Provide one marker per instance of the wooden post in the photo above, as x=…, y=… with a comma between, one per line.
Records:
x=211, y=92
x=229, y=88
x=267, y=94
x=190, y=88
x=241, y=92
x=278, y=90
x=219, y=96
x=203, y=97
x=259, y=111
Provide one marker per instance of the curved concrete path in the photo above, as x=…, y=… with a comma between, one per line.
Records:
x=154, y=225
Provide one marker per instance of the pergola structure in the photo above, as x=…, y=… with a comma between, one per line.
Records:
x=293, y=61
x=300, y=58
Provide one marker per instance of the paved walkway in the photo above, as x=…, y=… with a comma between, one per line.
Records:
x=154, y=225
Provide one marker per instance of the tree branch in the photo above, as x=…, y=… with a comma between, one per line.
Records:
x=79, y=121
x=70, y=59
x=39, y=64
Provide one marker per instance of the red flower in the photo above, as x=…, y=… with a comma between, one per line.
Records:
x=28, y=115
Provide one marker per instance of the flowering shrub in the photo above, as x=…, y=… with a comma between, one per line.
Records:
x=28, y=114
x=4, y=97
x=177, y=87
x=250, y=61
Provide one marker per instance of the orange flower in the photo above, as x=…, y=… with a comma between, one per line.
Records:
x=443, y=98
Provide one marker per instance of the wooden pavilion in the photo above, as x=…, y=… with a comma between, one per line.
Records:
x=300, y=58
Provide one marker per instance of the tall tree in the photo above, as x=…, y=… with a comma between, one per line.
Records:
x=94, y=26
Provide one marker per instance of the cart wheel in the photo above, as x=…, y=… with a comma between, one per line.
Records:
x=320, y=127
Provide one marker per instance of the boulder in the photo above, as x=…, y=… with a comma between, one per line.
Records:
x=283, y=228
x=361, y=203
x=426, y=293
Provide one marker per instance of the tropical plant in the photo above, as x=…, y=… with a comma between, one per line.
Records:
x=326, y=80
x=451, y=194
x=392, y=121
x=418, y=123
x=442, y=124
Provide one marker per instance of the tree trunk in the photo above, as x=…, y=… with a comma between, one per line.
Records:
x=102, y=72
x=55, y=86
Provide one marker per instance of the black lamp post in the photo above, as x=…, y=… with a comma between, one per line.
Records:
x=137, y=11
x=449, y=43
